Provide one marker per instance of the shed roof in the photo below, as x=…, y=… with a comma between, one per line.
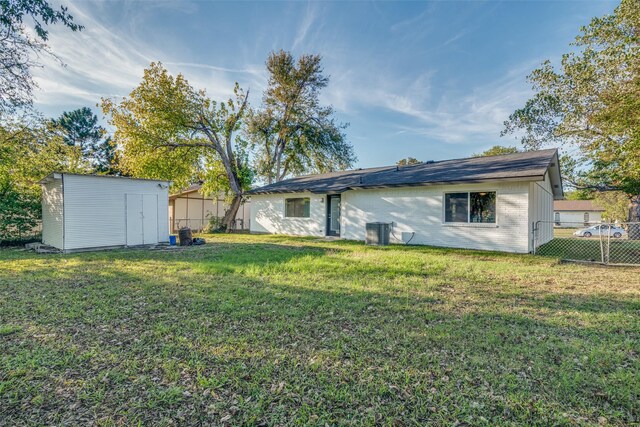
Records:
x=58, y=175
x=526, y=166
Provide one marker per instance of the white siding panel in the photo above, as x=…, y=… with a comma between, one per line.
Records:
x=52, y=213
x=541, y=210
x=267, y=215
x=95, y=210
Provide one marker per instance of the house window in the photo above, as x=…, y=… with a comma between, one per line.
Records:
x=557, y=218
x=297, y=208
x=471, y=207
x=586, y=218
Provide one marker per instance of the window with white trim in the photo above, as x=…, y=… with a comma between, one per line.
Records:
x=470, y=207
x=298, y=207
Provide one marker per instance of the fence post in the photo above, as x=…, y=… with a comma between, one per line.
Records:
x=533, y=238
x=608, y=242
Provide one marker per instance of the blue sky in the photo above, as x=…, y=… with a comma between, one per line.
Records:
x=431, y=80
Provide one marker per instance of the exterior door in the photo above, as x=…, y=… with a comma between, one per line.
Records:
x=333, y=215
x=150, y=219
x=134, y=220
x=142, y=219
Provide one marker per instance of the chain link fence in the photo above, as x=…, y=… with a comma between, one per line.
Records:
x=207, y=224
x=602, y=243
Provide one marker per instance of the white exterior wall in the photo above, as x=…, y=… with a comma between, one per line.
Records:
x=575, y=218
x=52, y=213
x=541, y=209
x=411, y=209
x=94, y=210
x=267, y=215
x=421, y=210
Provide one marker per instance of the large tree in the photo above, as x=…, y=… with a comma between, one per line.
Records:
x=294, y=133
x=170, y=130
x=590, y=106
x=21, y=48
x=80, y=128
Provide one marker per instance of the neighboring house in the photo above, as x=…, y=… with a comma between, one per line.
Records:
x=568, y=213
x=479, y=203
x=90, y=211
x=190, y=208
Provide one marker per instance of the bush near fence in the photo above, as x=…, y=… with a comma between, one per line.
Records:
x=20, y=237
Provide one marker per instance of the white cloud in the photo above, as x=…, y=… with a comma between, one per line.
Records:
x=107, y=60
x=453, y=117
x=309, y=19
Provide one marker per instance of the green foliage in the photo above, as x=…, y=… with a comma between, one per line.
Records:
x=408, y=161
x=578, y=195
x=19, y=49
x=615, y=205
x=590, y=105
x=214, y=225
x=80, y=128
x=31, y=148
x=293, y=133
x=19, y=209
x=497, y=150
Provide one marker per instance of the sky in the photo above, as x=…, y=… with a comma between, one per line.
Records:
x=430, y=80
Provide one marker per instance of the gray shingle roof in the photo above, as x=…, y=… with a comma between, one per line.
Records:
x=530, y=165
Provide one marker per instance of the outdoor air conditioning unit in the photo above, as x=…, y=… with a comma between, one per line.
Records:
x=378, y=233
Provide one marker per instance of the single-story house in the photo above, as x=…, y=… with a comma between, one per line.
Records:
x=488, y=203
x=82, y=212
x=191, y=208
x=574, y=213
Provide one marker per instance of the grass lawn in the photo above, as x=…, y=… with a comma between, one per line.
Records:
x=252, y=330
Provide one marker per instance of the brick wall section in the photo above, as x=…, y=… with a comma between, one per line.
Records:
x=412, y=210
x=420, y=210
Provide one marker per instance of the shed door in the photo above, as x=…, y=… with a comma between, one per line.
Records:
x=142, y=219
x=134, y=220
x=150, y=218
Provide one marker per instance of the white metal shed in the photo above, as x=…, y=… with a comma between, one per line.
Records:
x=82, y=212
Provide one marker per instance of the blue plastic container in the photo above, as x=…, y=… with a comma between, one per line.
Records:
x=172, y=240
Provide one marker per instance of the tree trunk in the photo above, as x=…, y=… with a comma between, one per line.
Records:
x=634, y=218
x=231, y=212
